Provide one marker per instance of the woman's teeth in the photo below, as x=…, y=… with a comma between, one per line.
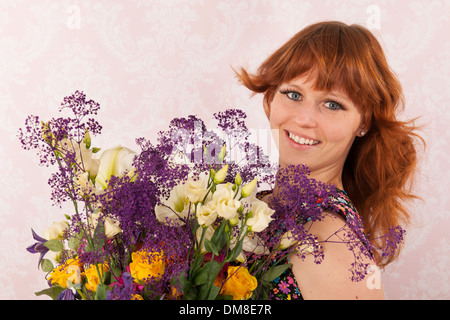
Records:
x=299, y=140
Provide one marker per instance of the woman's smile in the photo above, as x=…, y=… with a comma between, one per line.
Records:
x=301, y=140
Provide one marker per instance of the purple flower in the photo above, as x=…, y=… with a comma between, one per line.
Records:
x=122, y=289
x=284, y=287
x=38, y=247
x=66, y=295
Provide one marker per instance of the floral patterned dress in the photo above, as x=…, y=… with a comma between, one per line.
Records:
x=285, y=287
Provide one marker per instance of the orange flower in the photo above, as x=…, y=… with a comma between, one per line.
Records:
x=93, y=277
x=69, y=271
x=239, y=284
x=147, y=265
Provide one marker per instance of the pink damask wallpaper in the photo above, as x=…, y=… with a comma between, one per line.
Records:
x=147, y=61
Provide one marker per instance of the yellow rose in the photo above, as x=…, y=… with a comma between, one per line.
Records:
x=147, y=265
x=93, y=277
x=136, y=296
x=239, y=284
x=69, y=271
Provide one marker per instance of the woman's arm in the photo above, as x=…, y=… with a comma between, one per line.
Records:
x=331, y=279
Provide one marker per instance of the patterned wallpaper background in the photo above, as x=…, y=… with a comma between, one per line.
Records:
x=147, y=61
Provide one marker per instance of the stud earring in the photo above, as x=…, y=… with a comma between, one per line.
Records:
x=362, y=133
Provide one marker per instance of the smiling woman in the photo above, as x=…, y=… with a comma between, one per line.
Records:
x=332, y=99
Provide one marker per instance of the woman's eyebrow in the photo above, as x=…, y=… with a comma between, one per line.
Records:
x=341, y=96
x=292, y=85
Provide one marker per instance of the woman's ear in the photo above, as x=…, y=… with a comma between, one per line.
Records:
x=362, y=131
x=363, y=128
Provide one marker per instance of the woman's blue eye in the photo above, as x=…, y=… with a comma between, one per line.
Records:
x=293, y=95
x=333, y=105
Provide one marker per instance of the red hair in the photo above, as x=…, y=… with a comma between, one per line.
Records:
x=379, y=169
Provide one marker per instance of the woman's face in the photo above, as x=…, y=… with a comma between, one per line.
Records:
x=314, y=128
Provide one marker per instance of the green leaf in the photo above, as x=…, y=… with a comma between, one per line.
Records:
x=208, y=292
x=261, y=292
x=236, y=251
x=46, y=265
x=100, y=294
x=275, y=272
x=98, y=239
x=198, y=261
x=201, y=277
x=210, y=247
x=115, y=270
x=207, y=273
x=54, y=245
x=190, y=292
x=107, y=278
x=219, y=238
x=74, y=242
x=52, y=292
x=213, y=292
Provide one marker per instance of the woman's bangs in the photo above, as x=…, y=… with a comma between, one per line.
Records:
x=327, y=66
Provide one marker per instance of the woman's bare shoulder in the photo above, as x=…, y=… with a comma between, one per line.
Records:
x=332, y=277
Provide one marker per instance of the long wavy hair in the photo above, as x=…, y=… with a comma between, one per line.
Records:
x=379, y=170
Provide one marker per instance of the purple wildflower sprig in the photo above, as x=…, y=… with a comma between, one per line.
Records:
x=302, y=201
x=61, y=141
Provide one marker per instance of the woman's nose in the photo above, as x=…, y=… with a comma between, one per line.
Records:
x=306, y=114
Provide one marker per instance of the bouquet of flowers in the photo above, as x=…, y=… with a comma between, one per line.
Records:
x=177, y=220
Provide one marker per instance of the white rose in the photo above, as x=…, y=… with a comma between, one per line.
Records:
x=196, y=188
x=85, y=185
x=111, y=226
x=56, y=230
x=260, y=216
x=206, y=214
x=251, y=243
x=114, y=162
x=224, y=202
x=175, y=208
